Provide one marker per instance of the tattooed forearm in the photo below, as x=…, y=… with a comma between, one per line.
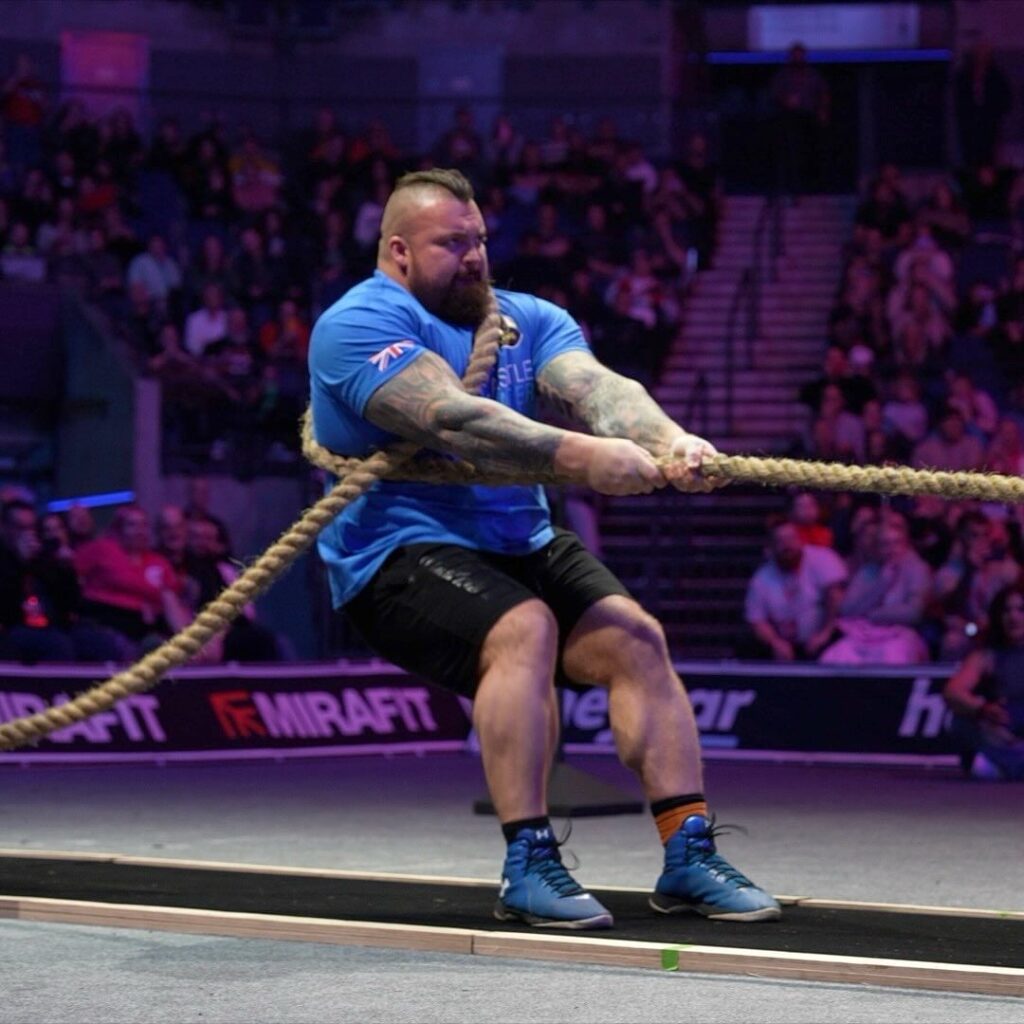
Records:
x=609, y=404
x=426, y=403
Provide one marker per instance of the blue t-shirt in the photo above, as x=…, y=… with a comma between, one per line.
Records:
x=369, y=335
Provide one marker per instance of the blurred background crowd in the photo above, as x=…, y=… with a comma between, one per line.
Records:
x=208, y=249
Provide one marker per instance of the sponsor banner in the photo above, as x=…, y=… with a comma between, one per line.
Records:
x=233, y=712
x=756, y=707
x=362, y=707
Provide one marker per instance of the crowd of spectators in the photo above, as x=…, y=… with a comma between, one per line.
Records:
x=923, y=367
x=70, y=592
x=212, y=251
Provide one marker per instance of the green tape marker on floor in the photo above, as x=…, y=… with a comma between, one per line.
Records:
x=670, y=959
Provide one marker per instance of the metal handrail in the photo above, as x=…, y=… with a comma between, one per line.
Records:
x=697, y=410
x=766, y=246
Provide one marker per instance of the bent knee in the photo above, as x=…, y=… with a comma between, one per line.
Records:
x=527, y=632
x=618, y=638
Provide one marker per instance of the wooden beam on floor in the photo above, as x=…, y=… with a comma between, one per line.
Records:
x=560, y=948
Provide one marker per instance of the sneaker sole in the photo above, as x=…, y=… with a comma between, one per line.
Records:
x=503, y=913
x=667, y=905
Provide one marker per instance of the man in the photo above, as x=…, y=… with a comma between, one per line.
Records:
x=471, y=586
x=793, y=598
x=38, y=594
x=802, y=103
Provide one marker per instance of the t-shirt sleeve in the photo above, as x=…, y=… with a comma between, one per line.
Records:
x=355, y=352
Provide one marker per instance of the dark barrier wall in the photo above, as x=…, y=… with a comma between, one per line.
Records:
x=372, y=707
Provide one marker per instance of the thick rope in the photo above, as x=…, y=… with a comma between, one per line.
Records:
x=357, y=476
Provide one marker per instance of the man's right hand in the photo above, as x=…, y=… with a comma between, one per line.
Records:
x=618, y=466
x=608, y=465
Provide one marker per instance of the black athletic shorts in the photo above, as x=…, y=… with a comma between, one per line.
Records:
x=430, y=606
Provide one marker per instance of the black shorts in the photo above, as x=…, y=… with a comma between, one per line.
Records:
x=430, y=606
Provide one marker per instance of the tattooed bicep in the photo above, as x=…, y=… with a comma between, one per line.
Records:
x=415, y=402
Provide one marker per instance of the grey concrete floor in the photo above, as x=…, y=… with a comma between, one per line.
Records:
x=905, y=835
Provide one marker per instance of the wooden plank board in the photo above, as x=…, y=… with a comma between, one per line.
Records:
x=534, y=946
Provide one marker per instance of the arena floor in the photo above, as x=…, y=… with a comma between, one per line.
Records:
x=906, y=835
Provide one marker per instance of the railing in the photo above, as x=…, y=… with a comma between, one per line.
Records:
x=767, y=245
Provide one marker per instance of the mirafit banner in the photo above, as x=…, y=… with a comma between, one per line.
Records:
x=241, y=711
x=366, y=707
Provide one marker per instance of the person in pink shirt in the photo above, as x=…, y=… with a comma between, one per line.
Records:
x=126, y=586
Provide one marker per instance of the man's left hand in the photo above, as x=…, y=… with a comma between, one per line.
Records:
x=687, y=454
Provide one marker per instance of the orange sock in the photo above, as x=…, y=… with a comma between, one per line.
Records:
x=669, y=821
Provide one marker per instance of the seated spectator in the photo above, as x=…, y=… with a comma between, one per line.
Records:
x=924, y=260
x=460, y=146
x=503, y=148
x=19, y=258
x=157, y=271
x=978, y=408
x=859, y=385
x=884, y=604
x=946, y=217
x=366, y=224
x=167, y=154
x=105, y=275
x=915, y=305
x=805, y=514
x=246, y=639
x=209, y=267
x=143, y=320
x=208, y=324
x=251, y=278
x=39, y=594
x=886, y=211
x=1005, y=452
x=836, y=434
x=121, y=146
x=978, y=566
x=978, y=313
x=986, y=694
x=949, y=446
x=859, y=314
x=289, y=325
x=986, y=192
x=793, y=598
x=255, y=177
x=930, y=531
x=904, y=415
x=129, y=588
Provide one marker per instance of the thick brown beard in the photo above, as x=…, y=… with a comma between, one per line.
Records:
x=465, y=304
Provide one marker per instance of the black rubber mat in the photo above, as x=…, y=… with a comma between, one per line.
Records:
x=994, y=942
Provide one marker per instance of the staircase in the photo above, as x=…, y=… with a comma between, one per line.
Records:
x=689, y=557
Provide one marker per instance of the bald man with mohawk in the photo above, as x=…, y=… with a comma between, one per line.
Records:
x=473, y=587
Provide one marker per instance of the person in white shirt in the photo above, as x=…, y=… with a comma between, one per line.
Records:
x=793, y=598
x=209, y=323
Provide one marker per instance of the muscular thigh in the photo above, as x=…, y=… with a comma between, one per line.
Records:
x=615, y=638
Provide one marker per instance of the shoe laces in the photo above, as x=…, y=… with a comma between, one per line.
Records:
x=545, y=860
x=702, y=848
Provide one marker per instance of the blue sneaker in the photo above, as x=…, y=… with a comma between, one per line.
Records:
x=696, y=878
x=537, y=889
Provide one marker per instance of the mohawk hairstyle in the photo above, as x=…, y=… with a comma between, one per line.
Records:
x=451, y=181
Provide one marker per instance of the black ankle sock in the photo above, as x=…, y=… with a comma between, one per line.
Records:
x=660, y=806
x=511, y=829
